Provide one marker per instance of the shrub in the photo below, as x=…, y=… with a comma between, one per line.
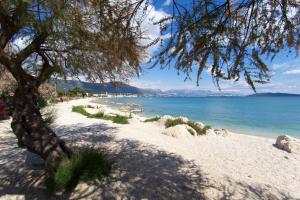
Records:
x=195, y=126
x=81, y=110
x=120, y=119
x=206, y=127
x=173, y=122
x=115, y=119
x=154, y=119
x=85, y=165
x=191, y=131
x=98, y=115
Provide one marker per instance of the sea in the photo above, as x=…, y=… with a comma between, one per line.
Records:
x=260, y=116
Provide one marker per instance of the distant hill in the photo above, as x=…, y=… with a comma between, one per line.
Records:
x=110, y=87
x=274, y=95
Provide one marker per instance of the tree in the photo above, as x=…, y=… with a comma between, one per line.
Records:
x=230, y=38
x=97, y=39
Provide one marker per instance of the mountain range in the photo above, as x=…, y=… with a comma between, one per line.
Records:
x=119, y=87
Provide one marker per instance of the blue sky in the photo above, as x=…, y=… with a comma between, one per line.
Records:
x=285, y=69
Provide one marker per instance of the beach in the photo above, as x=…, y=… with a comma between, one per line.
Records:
x=151, y=165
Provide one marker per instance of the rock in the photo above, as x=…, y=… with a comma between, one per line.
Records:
x=184, y=119
x=178, y=131
x=287, y=143
x=222, y=132
x=200, y=124
x=210, y=132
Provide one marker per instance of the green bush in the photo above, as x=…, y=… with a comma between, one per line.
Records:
x=98, y=115
x=206, y=127
x=154, y=119
x=85, y=165
x=115, y=119
x=120, y=119
x=191, y=131
x=195, y=126
x=81, y=110
x=173, y=122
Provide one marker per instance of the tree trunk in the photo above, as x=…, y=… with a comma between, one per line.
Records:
x=30, y=129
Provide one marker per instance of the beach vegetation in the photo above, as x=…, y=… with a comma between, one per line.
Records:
x=173, y=122
x=206, y=127
x=87, y=164
x=81, y=110
x=153, y=119
x=194, y=125
x=118, y=119
x=191, y=131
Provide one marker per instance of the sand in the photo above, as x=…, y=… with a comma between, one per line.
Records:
x=150, y=165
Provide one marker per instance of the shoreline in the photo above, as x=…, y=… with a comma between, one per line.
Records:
x=267, y=135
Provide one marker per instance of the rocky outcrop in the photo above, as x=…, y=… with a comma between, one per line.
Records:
x=287, y=143
x=179, y=131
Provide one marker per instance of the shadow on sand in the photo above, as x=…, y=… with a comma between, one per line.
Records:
x=140, y=171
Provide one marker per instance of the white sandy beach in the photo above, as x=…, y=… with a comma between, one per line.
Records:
x=150, y=165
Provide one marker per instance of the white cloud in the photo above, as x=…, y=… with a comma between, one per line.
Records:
x=150, y=30
x=294, y=71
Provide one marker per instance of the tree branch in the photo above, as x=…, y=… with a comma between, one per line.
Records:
x=32, y=47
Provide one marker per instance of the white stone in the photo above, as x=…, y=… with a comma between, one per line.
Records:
x=178, y=131
x=210, y=132
x=184, y=119
x=200, y=124
x=287, y=143
x=221, y=132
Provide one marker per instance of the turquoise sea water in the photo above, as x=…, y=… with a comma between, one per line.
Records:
x=264, y=116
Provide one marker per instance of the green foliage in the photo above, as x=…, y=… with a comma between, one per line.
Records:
x=118, y=119
x=98, y=115
x=77, y=91
x=154, y=119
x=87, y=164
x=173, y=122
x=206, y=127
x=204, y=27
x=191, y=131
x=195, y=126
x=42, y=103
x=81, y=110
